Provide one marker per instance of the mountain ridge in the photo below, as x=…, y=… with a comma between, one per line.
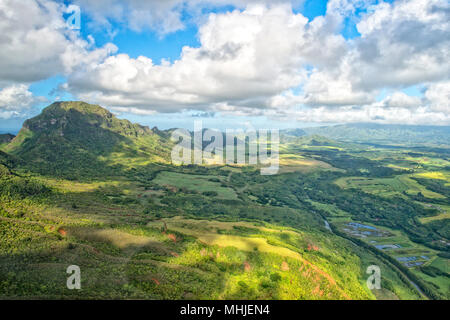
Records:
x=86, y=138
x=390, y=134
x=6, y=138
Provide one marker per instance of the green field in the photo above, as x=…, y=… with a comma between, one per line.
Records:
x=104, y=196
x=195, y=183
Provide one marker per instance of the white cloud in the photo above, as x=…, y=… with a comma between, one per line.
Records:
x=401, y=44
x=402, y=100
x=242, y=61
x=251, y=62
x=35, y=42
x=438, y=95
x=369, y=113
x=162, y=16
x=397, y=107
x=327, y=88
x=261, y=60
x=15, y=100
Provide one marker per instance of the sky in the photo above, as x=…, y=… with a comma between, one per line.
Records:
x=266, y=64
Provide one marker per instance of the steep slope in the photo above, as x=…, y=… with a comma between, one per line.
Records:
x=293, y=132
x=76, y=138
x=5, y=139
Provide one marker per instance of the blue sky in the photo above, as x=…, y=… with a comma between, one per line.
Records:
x=338, y=76
x=150, y=44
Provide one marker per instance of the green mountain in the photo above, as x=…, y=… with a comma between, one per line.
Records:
x=72, y=138
x=386, y=134
x=293, y=132
x=5, y=139
x=5, y=163
x=80, y=186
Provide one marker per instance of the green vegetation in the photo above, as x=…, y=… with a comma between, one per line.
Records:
x=388, y=187
x=69, y=139
x=198, y=183
x=5, y=139
x=79, y=186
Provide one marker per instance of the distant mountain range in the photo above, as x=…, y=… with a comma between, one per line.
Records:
x=386, y=134
x=73, y=137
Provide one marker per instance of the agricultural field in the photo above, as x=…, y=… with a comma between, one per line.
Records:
x=388, y=187
x=197, y=183
x=397, y=245
x=137, y=260
x=295, y=162
x=141, y=228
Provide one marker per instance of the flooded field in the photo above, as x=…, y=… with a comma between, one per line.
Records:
x=363, y=231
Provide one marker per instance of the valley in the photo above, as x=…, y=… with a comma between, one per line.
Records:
x=79, y=186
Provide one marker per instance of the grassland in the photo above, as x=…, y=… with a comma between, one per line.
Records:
x=198, y=183
x=125, y=252
x=440, y=216
x=298, y=163
x=211, y=233
x=388, y=187
x=131, y=242
x=148, y=261
x=141, y=228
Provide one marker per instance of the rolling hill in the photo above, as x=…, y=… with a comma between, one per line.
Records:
x=386, y=134
x=5, y=139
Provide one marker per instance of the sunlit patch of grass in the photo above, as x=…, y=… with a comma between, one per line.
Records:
x=387, y=187
x=294, y=162
x=207, y=232
x=434, y=175
x=117, y=238
x=441, y=216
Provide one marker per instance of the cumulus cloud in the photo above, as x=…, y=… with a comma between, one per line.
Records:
x=15, y=100
x=402, y=100
x=35, y=42
x=260, y=59
x=376, y=112
x=162, y=16
x=327, y=88
x=372, y=113
x=401, y=44
x=438, y=96
x=251, y=61
x=404, y=43
x=242, y=60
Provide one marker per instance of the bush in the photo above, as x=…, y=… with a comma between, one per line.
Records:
x=275, y=277
x=210, y=193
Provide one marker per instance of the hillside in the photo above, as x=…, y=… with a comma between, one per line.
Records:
x=80, y=186
x=72, y=138
x=165, y=239
x=5, y=139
